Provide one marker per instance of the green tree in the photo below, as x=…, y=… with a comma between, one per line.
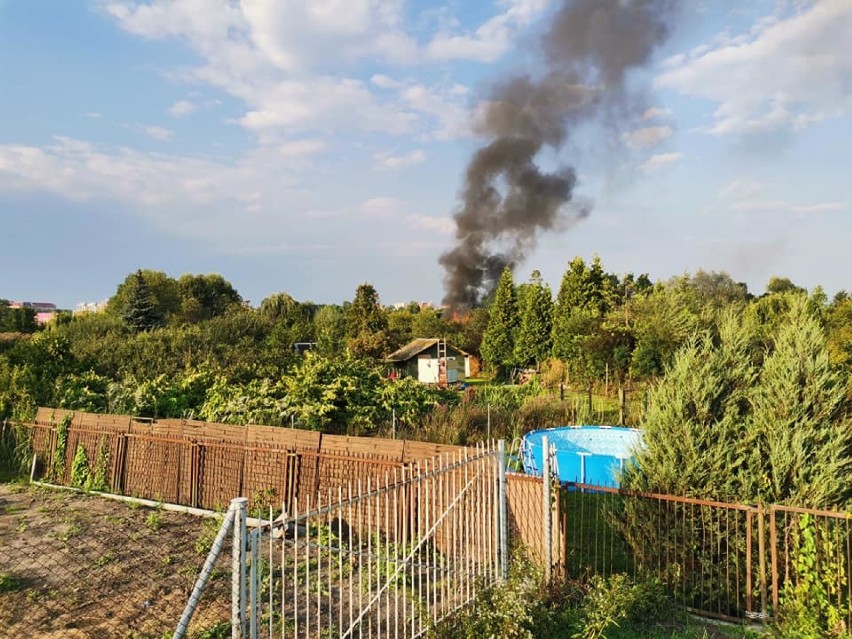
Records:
x=206, y=296
x=330, y=330
x=336, y=394
x=782, y=285
x=17, y=320
x=661, y=320
x=366, y=324
x=365, y=314
x=731, y=421
x=694, y=425
x=142, y=312
x=498, y=342
x=535, y=339
x=581, y=305
x=799, y=431
x=278, y=307
x=164, y=290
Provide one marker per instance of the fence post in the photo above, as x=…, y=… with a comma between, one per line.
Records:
x=204, y=577
x=761, y=548
x=547, y=550
x=255, y=538
x=238, y=569
x=503, y=509
x=773, y=540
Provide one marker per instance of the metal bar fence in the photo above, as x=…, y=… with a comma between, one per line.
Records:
x=386, y=558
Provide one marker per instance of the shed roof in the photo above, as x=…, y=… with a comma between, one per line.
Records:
x=415, y=347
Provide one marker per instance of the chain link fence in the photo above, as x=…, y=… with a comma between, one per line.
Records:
x=74, y=565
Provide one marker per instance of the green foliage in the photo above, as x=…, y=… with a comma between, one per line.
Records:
x=694, y=425
x=585, y=295
x=99, y=480
x=809, y=606
x=219, y=630
x=17, y=320
x=57, y=471
x=733, y=421
x=180, y=395
x=782, y=285
x=799, y=429
x=141, y=311
x=506, y=610
x=80, y=475
x=330, y=328
x=535, y=339
x=85, y=391
x=366, y=324
x=209, y=529
x=498, y=342
x=10, y=583
x=206, y=296
x=154, y=520
x=410, y=399
x=333, y=393
x=606, y=603
x=260, y=401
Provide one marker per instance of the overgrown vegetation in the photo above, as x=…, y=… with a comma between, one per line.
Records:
x=612, y=608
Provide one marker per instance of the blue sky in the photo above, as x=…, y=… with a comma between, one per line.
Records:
x=308, y=147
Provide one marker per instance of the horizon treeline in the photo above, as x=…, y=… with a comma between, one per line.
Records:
x=191, y=346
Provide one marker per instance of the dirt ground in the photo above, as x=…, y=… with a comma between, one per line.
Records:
x=78, y=566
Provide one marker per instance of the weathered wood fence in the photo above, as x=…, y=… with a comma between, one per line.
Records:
x=205, y=465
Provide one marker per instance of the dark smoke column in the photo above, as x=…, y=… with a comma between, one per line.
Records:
x=506, y=199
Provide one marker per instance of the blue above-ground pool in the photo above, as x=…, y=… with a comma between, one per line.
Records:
x=584, y=454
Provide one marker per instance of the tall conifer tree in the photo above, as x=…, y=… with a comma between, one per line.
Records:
x=498, y=342
x=142, y=312
x=534, y=341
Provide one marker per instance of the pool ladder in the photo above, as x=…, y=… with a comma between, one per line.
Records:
x=528, y=459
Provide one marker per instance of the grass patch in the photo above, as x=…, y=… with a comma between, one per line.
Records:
x=10, y=583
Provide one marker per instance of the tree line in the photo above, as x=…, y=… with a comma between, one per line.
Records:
x=192, y=346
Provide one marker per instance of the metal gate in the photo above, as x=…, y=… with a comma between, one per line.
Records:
x=373, y=559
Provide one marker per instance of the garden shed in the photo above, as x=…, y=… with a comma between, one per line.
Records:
x=433, y=361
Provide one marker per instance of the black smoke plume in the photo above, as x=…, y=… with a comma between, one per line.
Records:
x=586, y=54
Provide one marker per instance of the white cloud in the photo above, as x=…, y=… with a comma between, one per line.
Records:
x=661, y=161
x=656, y=113
x=325, y=103
x=182, y=108
x=648, y=136
x=387, y=160
x=194, y=197
x=742, y=189
x=94, y=115
x=492, y=39
x=785, y=74
x=159, y=133
x=398, y=211
x=782, y=206
x=382, y=207
x=302, y=148
x=385, y=82
x=267, y=54
x=446, y=106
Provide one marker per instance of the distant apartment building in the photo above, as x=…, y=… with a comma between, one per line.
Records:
x=44, y=311
x=38, y=307
x=89, y=307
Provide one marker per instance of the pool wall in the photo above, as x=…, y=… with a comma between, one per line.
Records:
x=584, y=454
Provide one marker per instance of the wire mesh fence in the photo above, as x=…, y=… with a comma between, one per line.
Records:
x=389, y=558
x=75, y=565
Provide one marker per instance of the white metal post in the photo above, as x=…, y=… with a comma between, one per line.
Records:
x=238, y=569
x=546, y=512
x=503, y=509
x=204, y=577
